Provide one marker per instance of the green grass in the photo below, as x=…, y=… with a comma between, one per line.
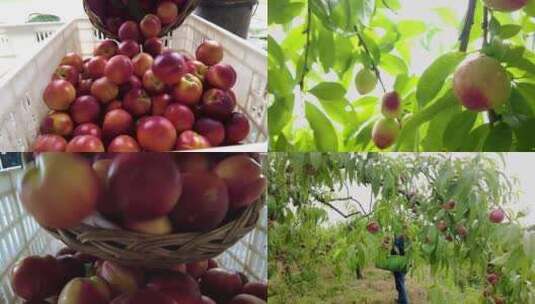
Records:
x=377, y=287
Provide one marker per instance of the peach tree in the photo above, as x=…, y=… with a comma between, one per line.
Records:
x=343, y=76
x=453, y=210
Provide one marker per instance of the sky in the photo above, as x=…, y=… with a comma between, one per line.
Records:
x=519, y=165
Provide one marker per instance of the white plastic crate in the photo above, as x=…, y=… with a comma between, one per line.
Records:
x=22, y=108
x=21, y=236
x=19, y=41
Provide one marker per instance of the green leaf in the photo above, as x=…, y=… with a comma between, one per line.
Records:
x=435, y=75
x=458, y=128
x=509, y=30
x=446, y=101
x=500, y=139
x=324, y=132
x=524, y=135
x=328, y=91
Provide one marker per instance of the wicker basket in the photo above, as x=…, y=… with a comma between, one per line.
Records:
x=188, y=7
x=157, y=251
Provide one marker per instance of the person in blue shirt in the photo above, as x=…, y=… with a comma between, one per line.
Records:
x=399, y=277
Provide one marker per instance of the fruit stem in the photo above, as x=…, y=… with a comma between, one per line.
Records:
x=308, y=30
x=374, y=66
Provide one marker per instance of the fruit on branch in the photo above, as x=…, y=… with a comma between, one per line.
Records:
x=158, y=226
x=497, y=215
x=60, y=191
x=59, y=94
x=373, y=227
x=58, y=123
x=49, y=143
x=210, y=52
x=391, y=105
x=244, y=178
x=150, y=26
x=124, y=143
x=156, y=133
x=85, y=143
x=203, y=205
x=189, y=90
x=365, y=81
x=144, y=296
x=144, y=185
x=169, y=67
x=481, y=83
x=461, y=230
x=442, y=225
x=85, y=109
x=256, y=289
x=179, y=286
x=180, y=116
x=119, y=69
x=449, y=205
x=104, y=89
x=498, y=299
x=36, y=278
x=246, y=299
x=191, y=140
x=493, y=278
x=85, y=290
x=67, y=72
x=385, y=132
x=106, y=48
x=121, y=279
x=221, y=284
x=505, y=5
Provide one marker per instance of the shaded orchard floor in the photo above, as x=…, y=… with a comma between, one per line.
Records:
x=377, y=287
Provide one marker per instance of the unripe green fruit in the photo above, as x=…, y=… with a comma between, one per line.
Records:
x=505, y=5
x=385, y=132
x=391, y=105
x=365, y=81
x=481, y=83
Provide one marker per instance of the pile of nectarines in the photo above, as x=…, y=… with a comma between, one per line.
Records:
x=161, y=13
x=74, y=278
x=130, y=98
x=153, y=193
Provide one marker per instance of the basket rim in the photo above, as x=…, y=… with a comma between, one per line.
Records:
x=184, y=12
x=87, y=239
